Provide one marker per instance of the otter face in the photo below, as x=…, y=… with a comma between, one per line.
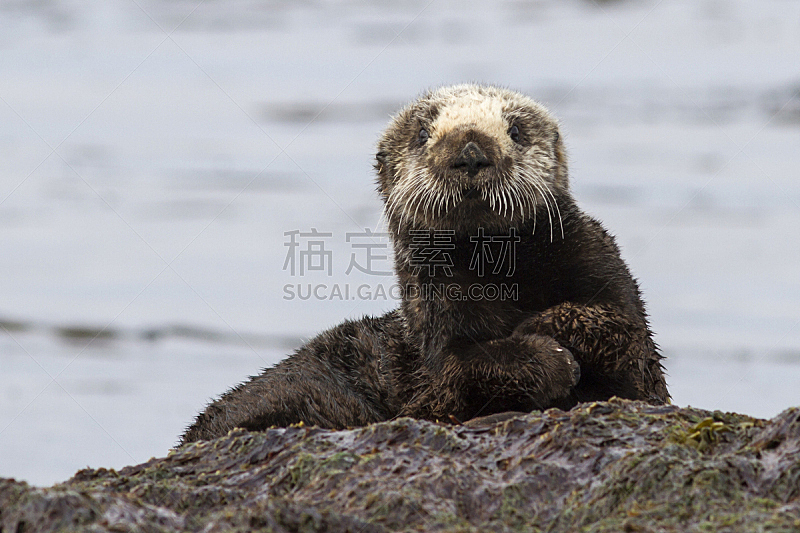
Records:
x=467, y=156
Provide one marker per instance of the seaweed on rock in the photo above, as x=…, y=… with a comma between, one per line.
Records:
x=610, y=466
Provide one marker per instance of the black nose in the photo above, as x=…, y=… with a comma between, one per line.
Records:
x=471, y=158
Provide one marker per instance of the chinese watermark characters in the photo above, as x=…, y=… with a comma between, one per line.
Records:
x=431, y=257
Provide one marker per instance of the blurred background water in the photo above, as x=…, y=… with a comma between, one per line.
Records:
x=154, y=153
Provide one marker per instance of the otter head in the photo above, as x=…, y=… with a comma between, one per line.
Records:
x=466, y=156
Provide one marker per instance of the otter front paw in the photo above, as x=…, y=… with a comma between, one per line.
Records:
x=519, y=373
x=513, y=374
x=560, y=371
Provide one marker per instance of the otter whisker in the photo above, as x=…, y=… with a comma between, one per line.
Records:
x=418, y=200
x=555, y=203
x=543, y=190
x=438, y=200
x=453, y=194
x=521, y=190
x=530, y=197
x=538, y=187
x=429, y=197
x=492, y=197
x=535, y=179
x=411, y=193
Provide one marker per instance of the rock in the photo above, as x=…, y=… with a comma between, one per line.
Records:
x=613, y=466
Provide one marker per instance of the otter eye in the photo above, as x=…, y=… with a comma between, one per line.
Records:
x=423, y=136
x=513, y=132
x=557, y=137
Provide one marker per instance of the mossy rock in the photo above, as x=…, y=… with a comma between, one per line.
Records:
x=612, y=466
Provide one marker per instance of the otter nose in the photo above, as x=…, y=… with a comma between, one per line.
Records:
x=471, y=157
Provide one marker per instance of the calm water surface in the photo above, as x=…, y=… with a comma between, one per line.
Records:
x=154, y=154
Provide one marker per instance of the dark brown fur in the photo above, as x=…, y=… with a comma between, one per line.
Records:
x=576, y=332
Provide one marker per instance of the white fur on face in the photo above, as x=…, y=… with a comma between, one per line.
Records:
x=477, y=111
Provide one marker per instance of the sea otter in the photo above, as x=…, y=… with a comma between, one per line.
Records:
x=513, y=298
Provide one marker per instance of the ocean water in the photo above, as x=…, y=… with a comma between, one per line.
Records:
x=157, y=155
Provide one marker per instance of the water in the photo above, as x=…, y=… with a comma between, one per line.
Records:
x=154, y=154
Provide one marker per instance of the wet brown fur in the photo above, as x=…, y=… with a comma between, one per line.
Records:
x=576, y=332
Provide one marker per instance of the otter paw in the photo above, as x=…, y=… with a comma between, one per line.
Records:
x=557, y=364
x=574, y=366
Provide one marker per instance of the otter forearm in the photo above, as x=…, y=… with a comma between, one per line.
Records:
x=519, y=373
x=617, y=355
